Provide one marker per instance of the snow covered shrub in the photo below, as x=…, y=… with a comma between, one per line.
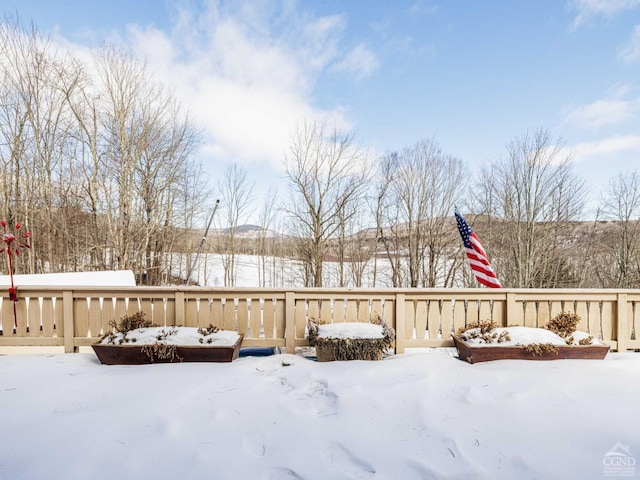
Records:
x=563, y=324
x=484, y=330
x=209, y=330
x=540, y=348
x=131, y=322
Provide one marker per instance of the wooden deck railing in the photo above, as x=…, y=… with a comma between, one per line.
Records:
x=73, y=317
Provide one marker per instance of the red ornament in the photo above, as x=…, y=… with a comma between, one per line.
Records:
x=8, y=238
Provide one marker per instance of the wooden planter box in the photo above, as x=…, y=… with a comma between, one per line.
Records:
x=332, y=348
x=474, y=354
x=136, y=354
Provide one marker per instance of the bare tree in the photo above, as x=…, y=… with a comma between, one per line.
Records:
x=325, y=169
x=349, y=246
x=145, y=142
x=535, y=193
x=92, y=156
x=14, y=111
x=194, y=211
x=36, y=129
x=236, y=196
x=387, y=216
x=123, y=85
x=268, y=244
x=360, y=251
x=622, y=205
x=418, y=188
x=83, y=99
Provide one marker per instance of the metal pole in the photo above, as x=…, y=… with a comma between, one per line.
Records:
x=195, y=260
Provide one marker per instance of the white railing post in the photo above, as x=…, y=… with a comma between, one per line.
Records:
x=68, y=320
x=621, y=322
x=179, y=308
x=509, y=310
x=399, y=327
x=290, y=322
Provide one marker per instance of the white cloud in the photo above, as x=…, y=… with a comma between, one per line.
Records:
x=601, y=113
x=246, y=78
x=630, y=52
x=320, y=41
x=614, y=109
x=360, y=62
x=608, y=146
x=419, y=8
x=587, y=9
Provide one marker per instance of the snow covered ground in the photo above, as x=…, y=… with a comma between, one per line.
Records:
x=423, y=415
x=282, y=272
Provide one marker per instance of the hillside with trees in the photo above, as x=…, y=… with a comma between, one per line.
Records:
x=99, y=160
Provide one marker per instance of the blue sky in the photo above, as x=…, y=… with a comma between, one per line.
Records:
x=472, y=75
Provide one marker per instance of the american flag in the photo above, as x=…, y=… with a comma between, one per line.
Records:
x=476, y=256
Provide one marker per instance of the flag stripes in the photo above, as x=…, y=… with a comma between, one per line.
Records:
x=476, y=255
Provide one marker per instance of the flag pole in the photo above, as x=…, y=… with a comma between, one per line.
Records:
x=204, y=237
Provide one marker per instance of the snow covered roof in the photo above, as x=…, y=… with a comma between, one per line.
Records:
x=111, y=278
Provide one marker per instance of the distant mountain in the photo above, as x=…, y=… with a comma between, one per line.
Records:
x=249, y=231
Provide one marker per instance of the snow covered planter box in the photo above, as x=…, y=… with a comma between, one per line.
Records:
x=135, y=341
x=351, y=340
x=485, y=341
x=474, y=353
